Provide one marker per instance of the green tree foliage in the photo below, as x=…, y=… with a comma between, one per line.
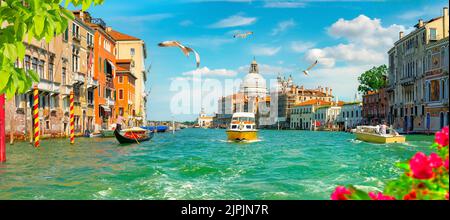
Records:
x=372, y=79
x=29, y=19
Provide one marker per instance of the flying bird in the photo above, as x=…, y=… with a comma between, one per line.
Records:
x=186, y=50
x=306, y=72
x=243, y=35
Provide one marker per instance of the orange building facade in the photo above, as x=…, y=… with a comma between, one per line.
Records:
x=104, y=73
x=125, y=82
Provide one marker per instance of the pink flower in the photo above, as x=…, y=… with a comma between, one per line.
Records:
x=339, y=193
x=442, y=137
x=380, y=196
x=435, y=161
x=420, y=167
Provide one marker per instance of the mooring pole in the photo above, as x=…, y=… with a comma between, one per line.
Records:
x=2, y=129
x=72, y=120
x=36, y=116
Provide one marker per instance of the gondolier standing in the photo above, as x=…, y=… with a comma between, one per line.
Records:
x=119, y=122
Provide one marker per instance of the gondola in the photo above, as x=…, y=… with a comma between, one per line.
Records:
x=130, y=136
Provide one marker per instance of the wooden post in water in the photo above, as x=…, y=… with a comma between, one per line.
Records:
x=72, y=120
x=36, y=116
x=2, y=129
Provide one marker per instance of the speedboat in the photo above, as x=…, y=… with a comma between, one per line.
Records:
x=242, y=127
x=133, y=135
x=372, y=134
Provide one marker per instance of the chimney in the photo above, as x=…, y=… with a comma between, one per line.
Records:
x=400, y=35
x=445, y=21
x=108, y=29
x=420, y=24
x=331, y=92
x=327, y=90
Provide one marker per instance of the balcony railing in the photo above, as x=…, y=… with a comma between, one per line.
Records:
x=79, y=78
x=92, y=83
x=406, y=81
x=49, y=86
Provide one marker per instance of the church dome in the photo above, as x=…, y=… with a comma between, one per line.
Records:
x=254, y=84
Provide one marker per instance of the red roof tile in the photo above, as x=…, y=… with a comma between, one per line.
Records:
x=121, y=36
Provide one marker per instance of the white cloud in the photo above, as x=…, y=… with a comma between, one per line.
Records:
x=234, y=21
x=284, y=4
x=425, y=12
x=367, y=42
x=300, y=46
x=343, y=80
x=208, y=42
x=205, y=71
x=283, y=26
x=265, y=51
x=186, y=23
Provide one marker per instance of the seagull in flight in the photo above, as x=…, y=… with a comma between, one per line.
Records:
x=306, y=72
x=243, y=35
x=184, y=49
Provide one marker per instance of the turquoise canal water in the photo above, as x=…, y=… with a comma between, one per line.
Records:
x=200, y=164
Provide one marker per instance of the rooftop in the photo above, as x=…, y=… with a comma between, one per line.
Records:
x=313, y=102
x=121, y=36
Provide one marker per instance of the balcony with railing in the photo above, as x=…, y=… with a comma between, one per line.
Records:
x=408, y=80
x=49, y=86
x=92, y=83
x=76, y=36
x=79, y=78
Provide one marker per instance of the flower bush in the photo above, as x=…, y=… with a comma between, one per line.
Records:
x=424, y=178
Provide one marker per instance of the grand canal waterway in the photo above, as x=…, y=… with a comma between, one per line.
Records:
x=200, y=164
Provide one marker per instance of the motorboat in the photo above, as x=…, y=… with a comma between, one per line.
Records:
x=242, y=127
x=373, y=134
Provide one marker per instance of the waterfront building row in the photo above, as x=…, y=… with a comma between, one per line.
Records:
x=417, y=82
x=83, y=60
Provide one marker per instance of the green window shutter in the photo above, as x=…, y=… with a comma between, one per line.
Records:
x=105, y=66
x=100, y=64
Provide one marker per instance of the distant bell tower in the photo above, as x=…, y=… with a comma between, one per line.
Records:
x=254, y=67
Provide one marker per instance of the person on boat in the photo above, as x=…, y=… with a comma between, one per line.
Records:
x=383, y=128
x=119, y=122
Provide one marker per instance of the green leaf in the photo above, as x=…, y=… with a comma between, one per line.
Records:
x=34, y=76
x=20, y=50
x=86, y=4
x=358, y=194
x=4, y=79
x=10, y=51
x=403, y=165
x=39, y=22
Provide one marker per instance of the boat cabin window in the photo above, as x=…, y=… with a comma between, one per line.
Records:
x=233, y=126
x=249, y=127
x=244, y=119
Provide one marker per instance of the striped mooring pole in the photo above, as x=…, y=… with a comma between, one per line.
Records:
x=72, y=120
x=36, y=116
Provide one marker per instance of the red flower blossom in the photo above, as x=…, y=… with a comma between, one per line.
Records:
x=339, y=193
x=435, y=160
x=442, y=137
x=410, y=196
x=446, y=196
x=421, y=167
x=380, y=196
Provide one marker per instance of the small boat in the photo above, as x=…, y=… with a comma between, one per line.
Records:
x=95, y=135
x=133, y=135
x=107, y=133
x=242, y=127
x=159, y=128
x=372, y=134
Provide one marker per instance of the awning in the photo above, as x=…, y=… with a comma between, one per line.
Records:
x=106, y=108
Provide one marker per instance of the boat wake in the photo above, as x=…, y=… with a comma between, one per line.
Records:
x=355, y=141
x=241, y=142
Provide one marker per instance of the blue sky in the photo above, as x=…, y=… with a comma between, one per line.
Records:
x=347, y=37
